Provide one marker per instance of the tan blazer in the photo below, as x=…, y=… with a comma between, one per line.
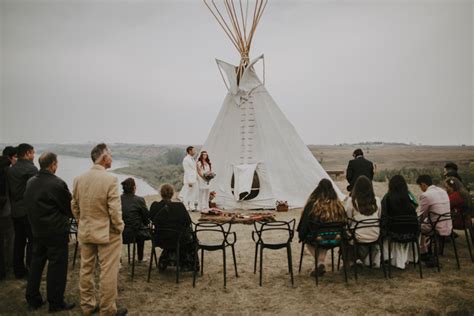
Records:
x=96, y=206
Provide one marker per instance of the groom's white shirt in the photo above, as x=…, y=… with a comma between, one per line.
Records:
x=190, y=170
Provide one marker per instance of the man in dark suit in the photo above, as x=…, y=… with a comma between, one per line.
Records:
x=7, y=159
x=359, y=166
x=17, y=176
x=48, y=203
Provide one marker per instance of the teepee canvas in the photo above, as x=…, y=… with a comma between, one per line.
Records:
x=256, y=152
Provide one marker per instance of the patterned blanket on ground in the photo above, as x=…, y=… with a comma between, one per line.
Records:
x=218, y=216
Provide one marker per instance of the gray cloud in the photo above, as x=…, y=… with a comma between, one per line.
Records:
x=144, y=71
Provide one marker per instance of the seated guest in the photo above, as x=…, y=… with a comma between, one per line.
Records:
x=434, y=202
x=323, y=206
x=48, y=204
x=364, y=205
x=135, y=216
x=451, y=170
x=398, y=202
x=459, y=200
x=175, y=216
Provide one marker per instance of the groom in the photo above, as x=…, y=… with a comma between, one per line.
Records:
x=189, y=193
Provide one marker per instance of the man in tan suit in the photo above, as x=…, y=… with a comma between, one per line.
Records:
x=96, y=206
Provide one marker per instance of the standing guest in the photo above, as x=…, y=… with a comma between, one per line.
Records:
x=451, y=170
x=98, y=211
x=135, y=216
x=49, y=212
x=459, y=200
x=17, y=176
x=364, y=205
x=434, y=202
x=7, y=159
x=359, y=166
x=323, y=206
x=169, y=214
x=204, y=167
x=190, y=190
x=398, y=202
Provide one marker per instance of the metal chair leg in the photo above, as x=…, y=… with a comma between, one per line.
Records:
x=419, y=257
x=75, y=253
x=382, y=258
x=301, y=257
x=389, y=258
x=468, y=241
x=316, y=263
x=290, y=263
x=195, y=266
x=355, y=260
x=235, y=261
x=151, y=262
x=202, y=262
x=261, y=264
x=332, y=259
x=413, y=252
x=128, y=253
x=225, y=267
x=255, y=259
x=436, y=254
x=453, y=241
x=345, y=259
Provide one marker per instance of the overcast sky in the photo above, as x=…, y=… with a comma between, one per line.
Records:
x=144, y=71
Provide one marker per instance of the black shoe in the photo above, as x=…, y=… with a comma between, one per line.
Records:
x=121, y=312
x=425, y=257
x=35, y=306
x=62, y=307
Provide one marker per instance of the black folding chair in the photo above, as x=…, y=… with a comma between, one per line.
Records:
x=411, y=228
x=466, y=227
x=73, y=232
x=163, y=237
x=437, y=240
x=353, y=228
x=134, y=243
x=260, y=229
x=326, y=236
x=222, y=235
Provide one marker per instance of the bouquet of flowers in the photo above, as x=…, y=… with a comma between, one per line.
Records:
x=208, y=176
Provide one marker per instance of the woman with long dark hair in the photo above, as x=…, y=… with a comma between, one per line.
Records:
x=204, y=168
x=322, y=206
x=364, y=205
x=398, y=202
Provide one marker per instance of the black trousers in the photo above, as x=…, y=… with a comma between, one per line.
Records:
x=54, y=250
x=6, y=244
x=140, y=248
x=23, y=239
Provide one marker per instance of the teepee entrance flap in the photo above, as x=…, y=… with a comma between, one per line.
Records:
x=243, y=179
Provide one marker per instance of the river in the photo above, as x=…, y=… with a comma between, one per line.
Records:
x=70, y=167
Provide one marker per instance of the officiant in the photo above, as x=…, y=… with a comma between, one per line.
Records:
x=189, y=192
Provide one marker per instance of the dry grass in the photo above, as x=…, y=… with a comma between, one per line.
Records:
x=449, y=292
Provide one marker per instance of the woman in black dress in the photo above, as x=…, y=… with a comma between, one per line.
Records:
x=172, y=215
x=135, y=217
x=398, y=202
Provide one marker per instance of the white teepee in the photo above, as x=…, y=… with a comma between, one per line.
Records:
x=256, y=152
